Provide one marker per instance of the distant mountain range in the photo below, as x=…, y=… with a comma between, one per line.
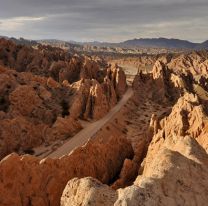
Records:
x=142, y=42
x=160, y=42
x=165, y=43
x=156, y=43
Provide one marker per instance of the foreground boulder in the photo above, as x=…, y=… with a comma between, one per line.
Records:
x=95, y=193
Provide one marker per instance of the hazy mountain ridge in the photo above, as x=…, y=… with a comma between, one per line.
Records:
x=156, y=43
x=132, y=43
x=161, y=42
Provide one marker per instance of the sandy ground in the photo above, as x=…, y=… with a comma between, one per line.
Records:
x=137, y=120
x=131, y=71
x=133, y=121
x=59, y=149
x=126, y=118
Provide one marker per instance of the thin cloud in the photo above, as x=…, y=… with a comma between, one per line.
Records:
x=16, y=23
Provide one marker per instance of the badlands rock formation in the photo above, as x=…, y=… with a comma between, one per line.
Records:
x=41, y=182
x=153, y=152
x=44, y=91
x=32, y=112
x=175, y=175
x=174, y=170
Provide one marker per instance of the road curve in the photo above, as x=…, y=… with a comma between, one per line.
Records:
x=82, y=137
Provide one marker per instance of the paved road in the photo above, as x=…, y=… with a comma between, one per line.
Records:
x=82, y=137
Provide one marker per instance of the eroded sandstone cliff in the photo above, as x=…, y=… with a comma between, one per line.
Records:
x=153, y=152
x=44, y=91
x=174, y=170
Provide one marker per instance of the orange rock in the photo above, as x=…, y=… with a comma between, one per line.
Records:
x=44, y=181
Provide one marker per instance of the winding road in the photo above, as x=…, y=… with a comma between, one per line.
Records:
x=89, y=131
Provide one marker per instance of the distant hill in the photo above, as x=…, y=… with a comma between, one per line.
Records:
x=203, y=45
x=132, y=43
x=160, y=42
x=154, y=43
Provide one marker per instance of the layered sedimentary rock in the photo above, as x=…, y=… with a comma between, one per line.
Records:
x=175, y=169
x=195, y=62
x=175, y=175
x=118, y=78
x=42, y=102
x=33, y=108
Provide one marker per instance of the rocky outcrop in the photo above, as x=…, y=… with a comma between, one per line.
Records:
x=24, y=101
x=47, y=61
x=48, y=106
x=174, y=170
x=182, y=159
x=141, y=61
x=97, y=105
x=92, y=100
x=89, y=70
x=194, y=62
x=95, y=193
x=191, y=119
x=118, y=79
x=31, y=111
x=50, y=89
x=127, y=174
x=163, y=85
x=42, y=182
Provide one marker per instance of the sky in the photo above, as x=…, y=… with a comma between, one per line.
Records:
x=104, y=20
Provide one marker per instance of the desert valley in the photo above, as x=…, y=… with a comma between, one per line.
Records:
x=103, y=103
x=79, y=129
